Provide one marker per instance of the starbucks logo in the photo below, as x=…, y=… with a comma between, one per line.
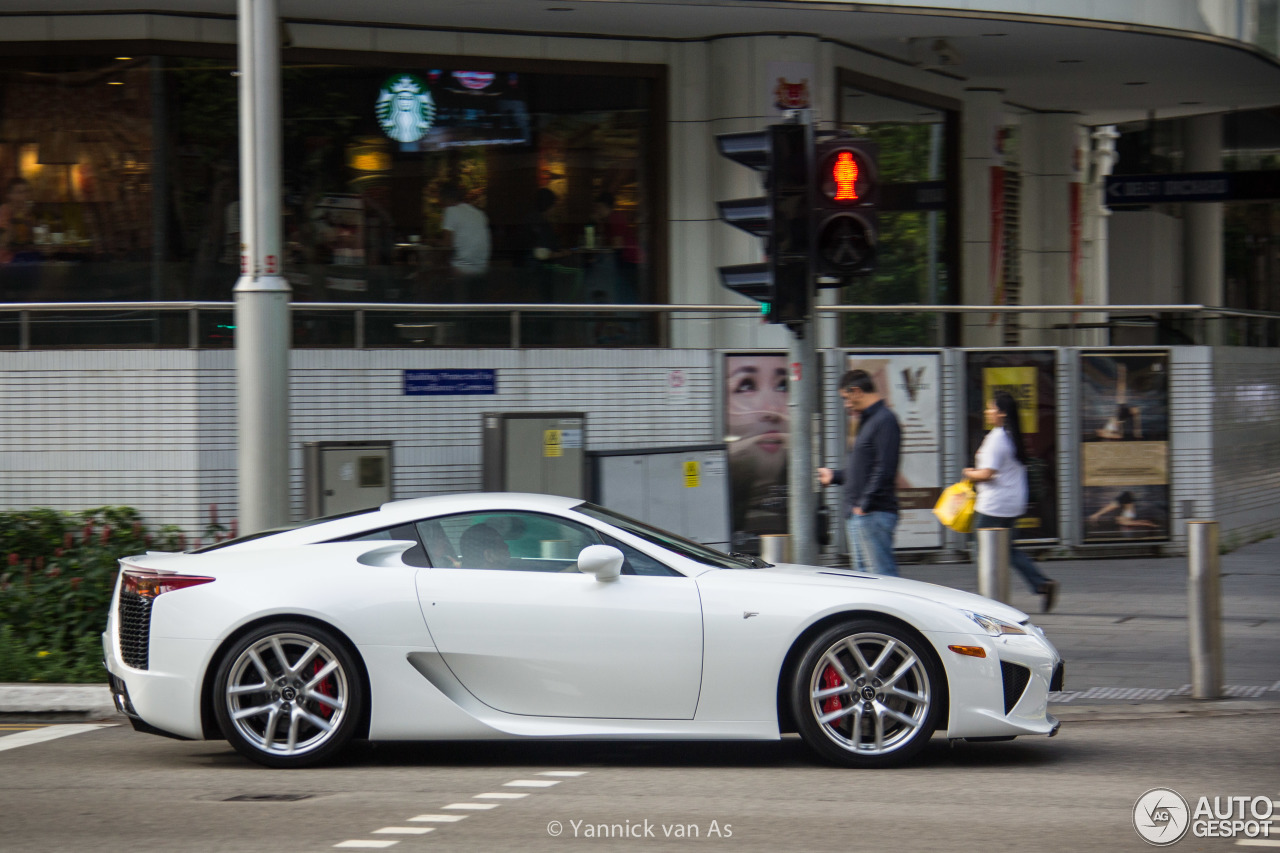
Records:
x=405, y=108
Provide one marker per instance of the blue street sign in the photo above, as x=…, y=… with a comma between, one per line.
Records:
x=443, y=383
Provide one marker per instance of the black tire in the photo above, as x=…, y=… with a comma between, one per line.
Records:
x=841, y=703
x=288, y=694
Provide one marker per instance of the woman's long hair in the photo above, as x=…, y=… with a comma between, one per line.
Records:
x=1012, y=425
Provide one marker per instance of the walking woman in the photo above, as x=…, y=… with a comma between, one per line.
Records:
x=1000, y=473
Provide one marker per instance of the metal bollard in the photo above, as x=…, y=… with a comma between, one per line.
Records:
x=775, y=547
x=993, y=563
x=1204, y=609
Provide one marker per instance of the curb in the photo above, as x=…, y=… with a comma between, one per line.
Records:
x=1167, y=709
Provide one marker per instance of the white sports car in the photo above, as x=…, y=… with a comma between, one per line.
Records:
x=492, y=616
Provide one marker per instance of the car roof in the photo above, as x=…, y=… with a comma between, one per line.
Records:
x=398, y=512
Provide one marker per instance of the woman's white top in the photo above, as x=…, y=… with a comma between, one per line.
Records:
x=1005, y=494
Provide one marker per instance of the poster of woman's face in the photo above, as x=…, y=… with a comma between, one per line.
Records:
x=757, y=430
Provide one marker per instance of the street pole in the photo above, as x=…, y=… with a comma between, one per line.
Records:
x=802, y=502
x=261, y=293
x=1204, y=609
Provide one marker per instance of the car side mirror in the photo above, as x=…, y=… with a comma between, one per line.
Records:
x=603, y=561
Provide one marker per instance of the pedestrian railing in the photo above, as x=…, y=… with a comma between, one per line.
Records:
x=361, y=325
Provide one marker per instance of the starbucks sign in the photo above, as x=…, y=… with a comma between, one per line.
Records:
x=405, y=108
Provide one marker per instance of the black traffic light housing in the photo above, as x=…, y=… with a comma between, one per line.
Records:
x=783, y=283
x=846, y=194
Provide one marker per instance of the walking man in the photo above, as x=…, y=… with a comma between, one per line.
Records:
x=869, y=498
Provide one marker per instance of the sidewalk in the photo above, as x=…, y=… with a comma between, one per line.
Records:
x=1121, y=625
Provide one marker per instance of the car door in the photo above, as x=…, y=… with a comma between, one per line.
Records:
x=527, y=633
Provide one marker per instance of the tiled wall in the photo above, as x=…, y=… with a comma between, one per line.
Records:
x=156, y=429
x=1243, y=404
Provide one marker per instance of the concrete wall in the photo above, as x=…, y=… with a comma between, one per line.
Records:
x=156, y=430
x=1245, y=404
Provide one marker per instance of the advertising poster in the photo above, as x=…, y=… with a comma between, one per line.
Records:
x=1124, y=452
x=910, y=385
x=1028, y=375
x=757, y=427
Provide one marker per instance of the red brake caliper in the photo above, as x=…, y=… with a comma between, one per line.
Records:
x=830, y=678
x=327, y=687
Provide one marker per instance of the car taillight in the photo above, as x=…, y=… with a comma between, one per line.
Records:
x=150, y=584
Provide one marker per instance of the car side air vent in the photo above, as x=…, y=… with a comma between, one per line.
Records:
x=1015, y=680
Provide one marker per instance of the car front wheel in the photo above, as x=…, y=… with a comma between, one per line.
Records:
x=288, y=694
x=867, y=693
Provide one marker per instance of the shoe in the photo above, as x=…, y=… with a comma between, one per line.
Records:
x=1048, y=595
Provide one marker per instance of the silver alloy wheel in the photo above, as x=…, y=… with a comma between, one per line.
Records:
x=287, y=694
x=870, y=693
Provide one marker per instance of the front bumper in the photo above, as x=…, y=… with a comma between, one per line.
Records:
x=1005, y=693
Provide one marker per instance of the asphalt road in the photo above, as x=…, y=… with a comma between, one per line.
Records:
x=110, y=789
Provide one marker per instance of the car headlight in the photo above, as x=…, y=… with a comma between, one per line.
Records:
x=994, y=627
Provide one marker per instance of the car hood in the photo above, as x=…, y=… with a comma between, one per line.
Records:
x=845, y=578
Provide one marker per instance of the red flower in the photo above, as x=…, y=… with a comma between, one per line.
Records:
x=75, y=582
x=13, y=559
x=54, y=571
x=106, y=535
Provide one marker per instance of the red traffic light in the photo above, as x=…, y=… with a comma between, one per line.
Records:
x=844, y=172
x=846, y=175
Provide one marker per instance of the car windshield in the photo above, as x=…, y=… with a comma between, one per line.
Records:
x=671, y=541
x=298, y=525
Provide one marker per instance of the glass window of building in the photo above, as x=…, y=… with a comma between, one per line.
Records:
x=914, y=259
x=438, y=182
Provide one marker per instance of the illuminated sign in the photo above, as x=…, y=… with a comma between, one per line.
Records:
x=845, y=173
x=405, y=108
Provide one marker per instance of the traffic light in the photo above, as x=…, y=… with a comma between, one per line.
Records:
x=782, y=283
x=846, y=191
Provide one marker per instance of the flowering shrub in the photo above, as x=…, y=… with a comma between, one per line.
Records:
x=57, y=573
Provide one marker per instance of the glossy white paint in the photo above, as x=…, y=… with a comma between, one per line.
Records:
x=457, y=653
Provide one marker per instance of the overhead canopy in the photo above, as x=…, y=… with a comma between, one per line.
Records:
x=1106, y=72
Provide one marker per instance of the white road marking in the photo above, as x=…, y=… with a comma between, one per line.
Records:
x=563, y=773
x=1258, y=842
x=366, y=844
x=404, y=830
x=27, y=738
x=439, y=818
x=530, y=783
x=472, y=806
x=500, y=795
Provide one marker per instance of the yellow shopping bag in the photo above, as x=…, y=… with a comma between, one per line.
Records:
x=955, y=508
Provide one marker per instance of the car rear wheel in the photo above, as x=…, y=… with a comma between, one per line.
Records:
x=867, y=693
x=288, y=694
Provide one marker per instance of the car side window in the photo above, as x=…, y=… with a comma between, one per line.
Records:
x=413, y=556
x=511, y=541
x=638, y=563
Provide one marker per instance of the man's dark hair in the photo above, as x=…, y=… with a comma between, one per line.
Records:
x=605, y=198
x=451, y=194
x=859, y=379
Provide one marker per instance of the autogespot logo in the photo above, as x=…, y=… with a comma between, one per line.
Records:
x=1161, y=816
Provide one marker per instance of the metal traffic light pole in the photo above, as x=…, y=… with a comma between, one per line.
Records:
x=802, y=498
x=784, y=285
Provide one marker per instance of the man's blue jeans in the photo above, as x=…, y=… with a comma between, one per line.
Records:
x=871, y=542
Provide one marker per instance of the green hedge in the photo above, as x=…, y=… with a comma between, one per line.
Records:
x=57, y=573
